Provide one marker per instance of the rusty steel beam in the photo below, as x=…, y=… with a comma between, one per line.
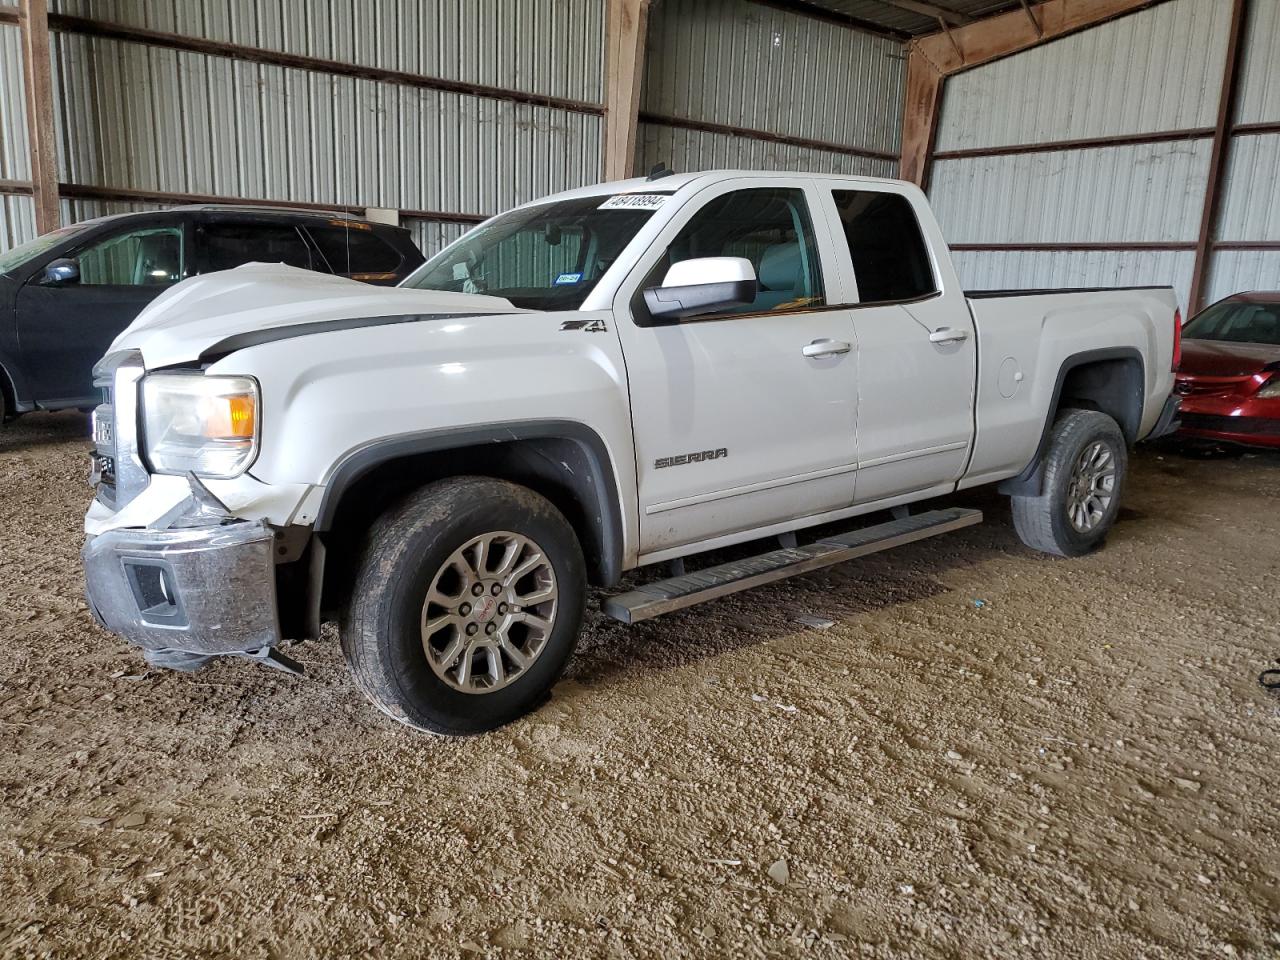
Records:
x=1085, y=143
x=751, y=133
x=1069, y=247
x=37, y=81
x=1218, y=157
x=84, y=191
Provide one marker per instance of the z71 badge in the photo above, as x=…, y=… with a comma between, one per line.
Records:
x=695, y=457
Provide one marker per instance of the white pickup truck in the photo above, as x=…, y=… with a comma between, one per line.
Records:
x=610, y=378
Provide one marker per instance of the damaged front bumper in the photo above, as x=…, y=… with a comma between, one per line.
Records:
x=185, y=594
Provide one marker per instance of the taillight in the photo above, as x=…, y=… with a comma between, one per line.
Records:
x=1177, y=338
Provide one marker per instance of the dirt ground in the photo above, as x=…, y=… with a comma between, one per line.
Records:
x=990, y=754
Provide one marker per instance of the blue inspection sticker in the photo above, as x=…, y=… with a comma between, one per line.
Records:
x=568, y=278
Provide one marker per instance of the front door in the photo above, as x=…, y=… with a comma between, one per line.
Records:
x=65, y=327
x=916, y=345
x=737, y=426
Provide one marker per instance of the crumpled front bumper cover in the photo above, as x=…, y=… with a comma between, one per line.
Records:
x=198, y=591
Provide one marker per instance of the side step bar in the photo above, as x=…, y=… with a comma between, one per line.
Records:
x=664, y=596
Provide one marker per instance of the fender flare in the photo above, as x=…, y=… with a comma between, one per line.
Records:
x=595, y=485
x=1028, y=482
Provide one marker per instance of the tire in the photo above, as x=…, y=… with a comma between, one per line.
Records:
x=401, y=646
x=1075, y=509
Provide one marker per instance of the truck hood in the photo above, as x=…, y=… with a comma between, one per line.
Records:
x=182, y=323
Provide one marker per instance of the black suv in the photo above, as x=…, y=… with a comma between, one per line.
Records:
x=66, y=295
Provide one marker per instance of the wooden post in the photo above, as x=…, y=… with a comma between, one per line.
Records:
x=919, y=118
x=33, y=26
x=1218, y=157
x=624, y=70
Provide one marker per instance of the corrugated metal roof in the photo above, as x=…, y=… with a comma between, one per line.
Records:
x=1133, y=75
x=690, y=150
x=755, y=66
x=890, y=17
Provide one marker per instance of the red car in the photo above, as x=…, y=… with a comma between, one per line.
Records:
x=1229, y=379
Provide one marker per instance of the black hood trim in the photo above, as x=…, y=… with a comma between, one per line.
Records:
x=254, y=338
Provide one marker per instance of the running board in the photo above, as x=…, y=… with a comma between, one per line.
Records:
x=664, y=596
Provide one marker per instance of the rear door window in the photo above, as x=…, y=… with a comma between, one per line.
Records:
x=354, y=250
x=890, y=259
x=226, y=244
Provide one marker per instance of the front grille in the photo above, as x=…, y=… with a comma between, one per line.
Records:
x=116, y=470
x=1237, y=425
x=1211, y=386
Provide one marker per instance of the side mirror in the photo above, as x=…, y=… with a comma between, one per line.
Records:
x=692, y=288
x=62, y=270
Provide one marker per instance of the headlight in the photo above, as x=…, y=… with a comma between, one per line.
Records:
x=208, y=425
x=1270, y=389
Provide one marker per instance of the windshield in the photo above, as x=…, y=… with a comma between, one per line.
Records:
x=1237, y=322
x=16, y=257
x=546, y=257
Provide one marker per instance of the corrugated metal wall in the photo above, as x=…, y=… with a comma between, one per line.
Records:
x=551, y=47
x=17, y=213
x=748, y=65
x=1152, y=72
x=1250, y=201
x=142, y=117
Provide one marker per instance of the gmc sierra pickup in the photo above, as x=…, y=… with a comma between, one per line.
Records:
x=614, y=377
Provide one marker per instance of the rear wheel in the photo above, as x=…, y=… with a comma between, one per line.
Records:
x=467, y=605
x=1085, y=465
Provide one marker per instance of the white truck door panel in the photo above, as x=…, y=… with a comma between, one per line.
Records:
x=917, y=351
x=736, y=425
x=915, y=399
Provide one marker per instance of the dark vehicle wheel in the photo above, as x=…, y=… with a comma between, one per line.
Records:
x=466, y=607
x=1084, y=470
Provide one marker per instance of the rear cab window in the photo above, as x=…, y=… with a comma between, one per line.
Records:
x=891, y=262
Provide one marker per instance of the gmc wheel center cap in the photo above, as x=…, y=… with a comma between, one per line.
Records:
x=485, y=608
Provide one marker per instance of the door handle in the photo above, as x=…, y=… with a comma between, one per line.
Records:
x=825, y=348
x=948, y=335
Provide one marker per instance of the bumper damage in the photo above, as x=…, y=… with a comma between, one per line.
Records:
x=186, y=594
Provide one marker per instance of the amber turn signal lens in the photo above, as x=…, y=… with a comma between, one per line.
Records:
x=231, y=417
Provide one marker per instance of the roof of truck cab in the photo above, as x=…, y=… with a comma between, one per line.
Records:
x=672, y=182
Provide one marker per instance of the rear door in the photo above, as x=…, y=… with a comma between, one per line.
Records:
x=736, y=427
x=65, y=328
x=917, y=352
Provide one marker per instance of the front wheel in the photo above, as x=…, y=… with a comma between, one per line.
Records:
x=1085, y=465
x=466, y=607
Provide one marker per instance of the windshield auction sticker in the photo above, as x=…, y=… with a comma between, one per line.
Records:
x=634, y=201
